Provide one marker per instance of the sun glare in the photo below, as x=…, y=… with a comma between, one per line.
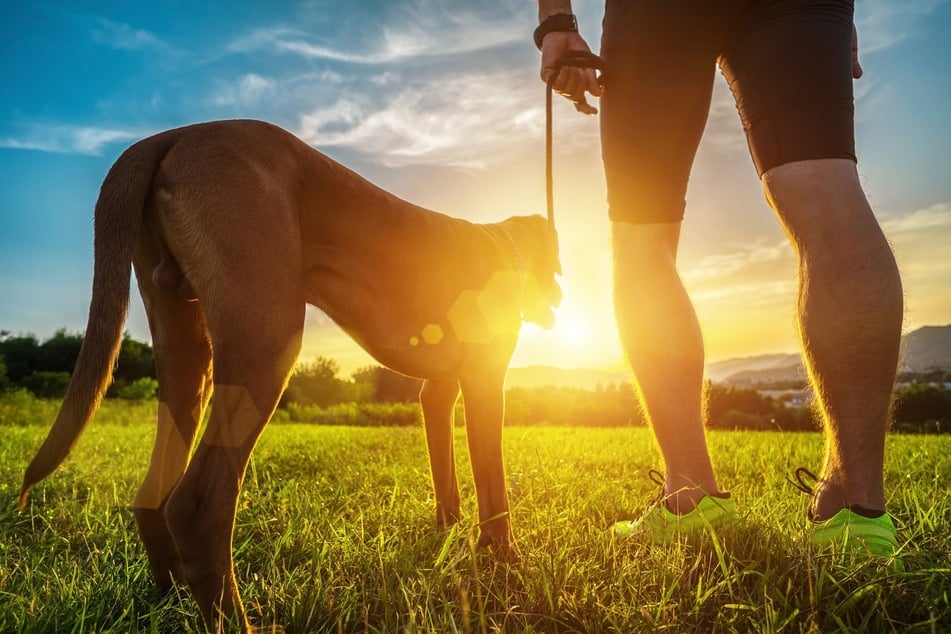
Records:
x=572, y=331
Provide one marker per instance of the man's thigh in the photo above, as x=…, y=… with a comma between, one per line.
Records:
x=789, y=65
x=660, y=62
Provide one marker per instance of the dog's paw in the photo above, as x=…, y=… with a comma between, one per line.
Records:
x=446, y=518
x=502, y=547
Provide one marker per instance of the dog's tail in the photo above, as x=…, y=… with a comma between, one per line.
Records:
x=118, y=222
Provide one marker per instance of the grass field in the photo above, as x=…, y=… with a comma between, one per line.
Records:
x=335, y=533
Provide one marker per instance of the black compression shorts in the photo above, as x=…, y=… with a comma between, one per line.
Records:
x=788, y=63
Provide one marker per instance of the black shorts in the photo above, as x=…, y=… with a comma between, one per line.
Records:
x=788, y=63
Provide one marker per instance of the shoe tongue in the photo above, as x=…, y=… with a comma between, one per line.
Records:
x=866, y=512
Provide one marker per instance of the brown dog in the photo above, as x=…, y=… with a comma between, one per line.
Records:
x=232, y=227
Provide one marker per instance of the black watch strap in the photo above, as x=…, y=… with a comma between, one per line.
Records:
x=556, y=22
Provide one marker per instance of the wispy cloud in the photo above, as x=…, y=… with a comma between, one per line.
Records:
x=469, y=121
x=125, y=37
x=883, y=23
x=248, y=90
x=758, y=274
x=418, y=30
x=935, y=217
x=742, y=261
x=401, y=89
x=920, y=239
x=68, y=139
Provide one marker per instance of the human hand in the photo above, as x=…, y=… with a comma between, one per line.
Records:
x=856, y=66
x=572, y=82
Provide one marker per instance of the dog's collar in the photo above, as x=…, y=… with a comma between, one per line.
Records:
x=519, y=262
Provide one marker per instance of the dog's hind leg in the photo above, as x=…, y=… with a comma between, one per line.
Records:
x=438, y=399
x=256, y=336
x=183, y=365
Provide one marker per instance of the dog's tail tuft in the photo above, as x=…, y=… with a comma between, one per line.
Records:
x=118, y=221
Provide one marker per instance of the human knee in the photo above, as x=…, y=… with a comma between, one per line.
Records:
x=643, y=248
x=824, y=210
x=811, y=182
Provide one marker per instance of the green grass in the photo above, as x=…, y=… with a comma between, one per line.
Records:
x=335, y=533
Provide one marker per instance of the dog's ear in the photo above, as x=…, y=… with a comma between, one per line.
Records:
x=542, y=292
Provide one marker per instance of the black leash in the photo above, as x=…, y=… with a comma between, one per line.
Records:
x=579, y=59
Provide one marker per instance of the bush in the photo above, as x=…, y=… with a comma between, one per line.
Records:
x=143, y=389
x=46, y=384
x=19, y=407
x=358, y=414
x=734, y=419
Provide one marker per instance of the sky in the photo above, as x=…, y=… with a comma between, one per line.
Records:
x=439, y=101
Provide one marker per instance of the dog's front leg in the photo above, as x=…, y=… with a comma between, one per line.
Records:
x=438, y=398
x=484, y=405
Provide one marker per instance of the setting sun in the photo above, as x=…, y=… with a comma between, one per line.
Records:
x=572, y=330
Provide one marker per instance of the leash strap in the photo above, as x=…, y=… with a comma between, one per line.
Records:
x=578, y=59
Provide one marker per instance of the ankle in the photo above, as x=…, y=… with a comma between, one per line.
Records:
x=831, y=498
x=684, y=499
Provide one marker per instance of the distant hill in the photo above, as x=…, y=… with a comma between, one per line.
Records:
x=927, y=348
x=771, y=367
x=924, y=349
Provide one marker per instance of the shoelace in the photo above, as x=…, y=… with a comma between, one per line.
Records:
x=810, y=490
x=807, y=488
x=660, y=480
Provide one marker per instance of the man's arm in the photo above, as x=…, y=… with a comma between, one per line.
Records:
x=572, y=82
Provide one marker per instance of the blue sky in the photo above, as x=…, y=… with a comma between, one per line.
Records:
x=439, y=101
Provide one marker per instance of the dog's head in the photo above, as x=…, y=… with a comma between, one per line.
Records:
x=537, y=245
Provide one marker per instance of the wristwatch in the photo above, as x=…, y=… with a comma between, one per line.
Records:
x=555, y=22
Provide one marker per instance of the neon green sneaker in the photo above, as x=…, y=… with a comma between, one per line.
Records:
x=855, y=531
x=852, y=532
x=659, y=524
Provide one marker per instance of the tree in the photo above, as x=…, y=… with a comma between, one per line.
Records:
x=918, y=405
x=59, y=352
x=386, y=386
x=4, y=382
x=316, y=383
x=136, y=361
x=22, y=356
x=723, y=403
x=46, y=384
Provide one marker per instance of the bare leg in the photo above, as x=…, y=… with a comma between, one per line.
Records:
x=438, y=399
x=850, y=316
x=661, y=337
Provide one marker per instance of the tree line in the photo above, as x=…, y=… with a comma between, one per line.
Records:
x=318, y=393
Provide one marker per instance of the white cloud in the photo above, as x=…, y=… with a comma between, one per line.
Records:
x=723, y=130
x=776, y=294
x=883, y=23
x=744, y=260
x=68, y=139
x=125, y=37
x=930, y=219
x=467, y=122
x=250, y=89
x=421, y=29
